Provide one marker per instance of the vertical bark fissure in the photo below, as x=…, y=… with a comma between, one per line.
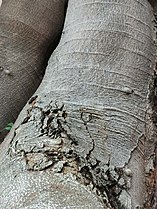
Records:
x=153, y=171
x=151, y=142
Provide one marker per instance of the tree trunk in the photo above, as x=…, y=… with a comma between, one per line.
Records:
x=30, y=30
x=86, y=139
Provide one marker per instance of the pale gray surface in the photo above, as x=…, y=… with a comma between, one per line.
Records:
x=102, y=71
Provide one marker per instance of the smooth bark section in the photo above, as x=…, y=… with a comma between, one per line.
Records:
x=89, y=119
x=29, y=32
x=103, y=71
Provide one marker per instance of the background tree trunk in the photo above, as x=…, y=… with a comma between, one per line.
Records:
x=29, y=32
x=87, y=138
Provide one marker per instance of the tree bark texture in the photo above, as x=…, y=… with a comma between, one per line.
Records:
x=29, y=31
x=86, y=139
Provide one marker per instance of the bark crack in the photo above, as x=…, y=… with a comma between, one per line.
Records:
x=86, y=120
x=140, y=140
x=151, y=172
x=55, y=147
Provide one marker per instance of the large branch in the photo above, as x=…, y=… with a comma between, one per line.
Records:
x=29, y=32
x=85, y=137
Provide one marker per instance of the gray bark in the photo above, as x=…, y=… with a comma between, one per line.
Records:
x=86, y=139
x=29, y=31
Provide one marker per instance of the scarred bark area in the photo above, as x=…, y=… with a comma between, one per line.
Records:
x=29, y=32
x=81, y=142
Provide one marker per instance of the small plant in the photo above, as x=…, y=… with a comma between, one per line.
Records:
x=7, y=128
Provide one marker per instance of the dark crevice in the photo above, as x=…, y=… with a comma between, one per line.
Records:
x=105, y=183
x=53, y=45
x=153, y=196
x=151, y=177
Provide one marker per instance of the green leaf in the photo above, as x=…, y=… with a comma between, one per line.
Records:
x=10, y=125
x=8, y=128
